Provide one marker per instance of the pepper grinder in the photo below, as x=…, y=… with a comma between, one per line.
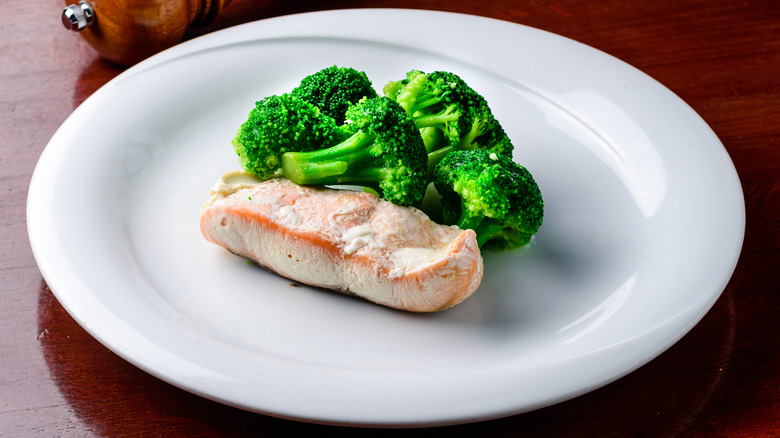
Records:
x=128, y=31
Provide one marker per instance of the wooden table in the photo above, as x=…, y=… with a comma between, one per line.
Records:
x=722, y=379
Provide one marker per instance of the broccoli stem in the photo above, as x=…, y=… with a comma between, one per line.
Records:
x=465, y=143
x=312, y=172
x=333, y=165
x=423, y=101
x=432, y=137
x=410, y=93
x=467, y=140
x=435, y=156
x=485, y=227
x=438, y=120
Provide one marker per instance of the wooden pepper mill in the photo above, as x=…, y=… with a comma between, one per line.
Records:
x=128, y=31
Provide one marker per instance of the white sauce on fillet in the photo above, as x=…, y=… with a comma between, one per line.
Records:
x=357, y=237
x=288, y=216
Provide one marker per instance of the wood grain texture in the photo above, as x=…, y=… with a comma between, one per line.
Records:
x=722, y=379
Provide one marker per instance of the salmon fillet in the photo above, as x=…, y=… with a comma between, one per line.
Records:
x=344, y=240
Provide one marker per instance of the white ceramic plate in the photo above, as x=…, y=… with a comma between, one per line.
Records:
x=643, y=227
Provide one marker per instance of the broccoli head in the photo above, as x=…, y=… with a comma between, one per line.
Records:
x=383, y=151
x=490, y=194
x=334, y=89
x=278, y=124
x=449, y=113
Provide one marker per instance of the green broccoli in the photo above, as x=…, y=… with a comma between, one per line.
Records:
x=384, y=151
x=278, y=124
x=490, y=194
x=334, y=89
x=449, y=113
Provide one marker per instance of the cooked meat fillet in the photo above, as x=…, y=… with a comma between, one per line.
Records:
x=349, y=241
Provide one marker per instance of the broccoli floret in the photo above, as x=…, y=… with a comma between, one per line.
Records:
x=384, y=151
x=334, y=89
x=278, y=124
x=449, y=113
x=490, y=194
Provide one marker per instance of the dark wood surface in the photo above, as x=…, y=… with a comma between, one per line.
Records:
x=722, y=379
